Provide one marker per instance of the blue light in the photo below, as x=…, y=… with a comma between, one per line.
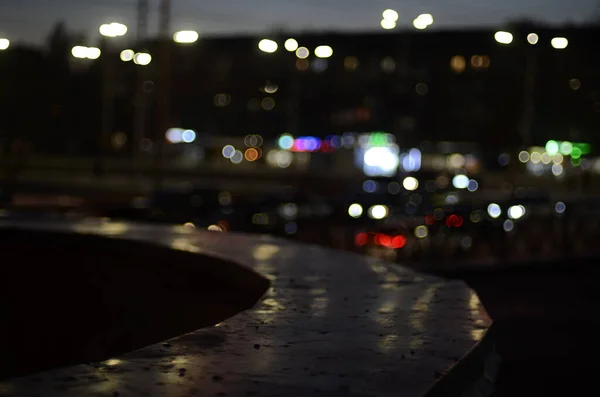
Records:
x=369, y=186
x=188, y=136
x=286, y=142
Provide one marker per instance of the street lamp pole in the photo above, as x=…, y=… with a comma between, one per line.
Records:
x=163, y=90
x=107, y=31
x=140, y=94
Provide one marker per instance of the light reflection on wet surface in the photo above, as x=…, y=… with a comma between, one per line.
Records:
x=331, y=318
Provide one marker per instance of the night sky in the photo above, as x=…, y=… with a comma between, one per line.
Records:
x=30, y=20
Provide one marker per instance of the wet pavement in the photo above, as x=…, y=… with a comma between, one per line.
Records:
x=332, y=323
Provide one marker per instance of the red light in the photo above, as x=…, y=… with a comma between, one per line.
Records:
x=454, y=221
x=361, y=239
x=429, y=219
x=398, y=242
x=378, y=239
x=386, y=241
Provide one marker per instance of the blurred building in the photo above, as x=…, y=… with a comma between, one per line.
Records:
x=417, y=85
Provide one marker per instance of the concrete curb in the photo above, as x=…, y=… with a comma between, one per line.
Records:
x=474, y=375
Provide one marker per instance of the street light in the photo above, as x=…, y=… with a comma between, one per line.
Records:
x=291, y=45
x=127, y=55
x=82, y=52
x=423, y=21
x=113, y=29
x=4, y=44
x=559, y=43
x=323, y=51
x=532, y=38
x=503, y=37
x=390, y=15
x=185, y=37
x=142, y=58
x=388, y=24
x=268, y=46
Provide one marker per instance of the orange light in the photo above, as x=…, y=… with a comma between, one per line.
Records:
x=251, y=154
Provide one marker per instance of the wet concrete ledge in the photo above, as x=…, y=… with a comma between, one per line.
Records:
x=332, y=323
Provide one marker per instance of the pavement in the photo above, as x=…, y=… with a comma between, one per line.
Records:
x=332, y=323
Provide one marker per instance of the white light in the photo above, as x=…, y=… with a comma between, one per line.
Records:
x=559, y=43
x=323, y=51
x=82, y=52
x=419, y=24
x=503, y=37
x=460, y=181
x=174, y=135
x=142, y=58
x=93, y=53
x=79, y=52
x=378, y=211
x=283, y=158
x=411, y=162
x=383, y=159
x=390, y=15
x=355, y=210
x=188, y=136
x=302, y=52
x=214, y=228
x=557, y=169
x=185, y=37
x=237, y=157
x=560, y=207
x=387, y=24
x=4, y=44
x=268, y=46
x=516, y=212
x=494, y=210
x=291, y=45
x=127, y=55
x=228, y=151
x=532, y=38
x=410, y=183
x=427, y=19
x=114, y=29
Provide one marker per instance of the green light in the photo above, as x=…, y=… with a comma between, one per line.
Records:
x=575, y=161
x=378, y=139
x=585, y=148
x=551, y=147
x=576, y=153
x=566, y=148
